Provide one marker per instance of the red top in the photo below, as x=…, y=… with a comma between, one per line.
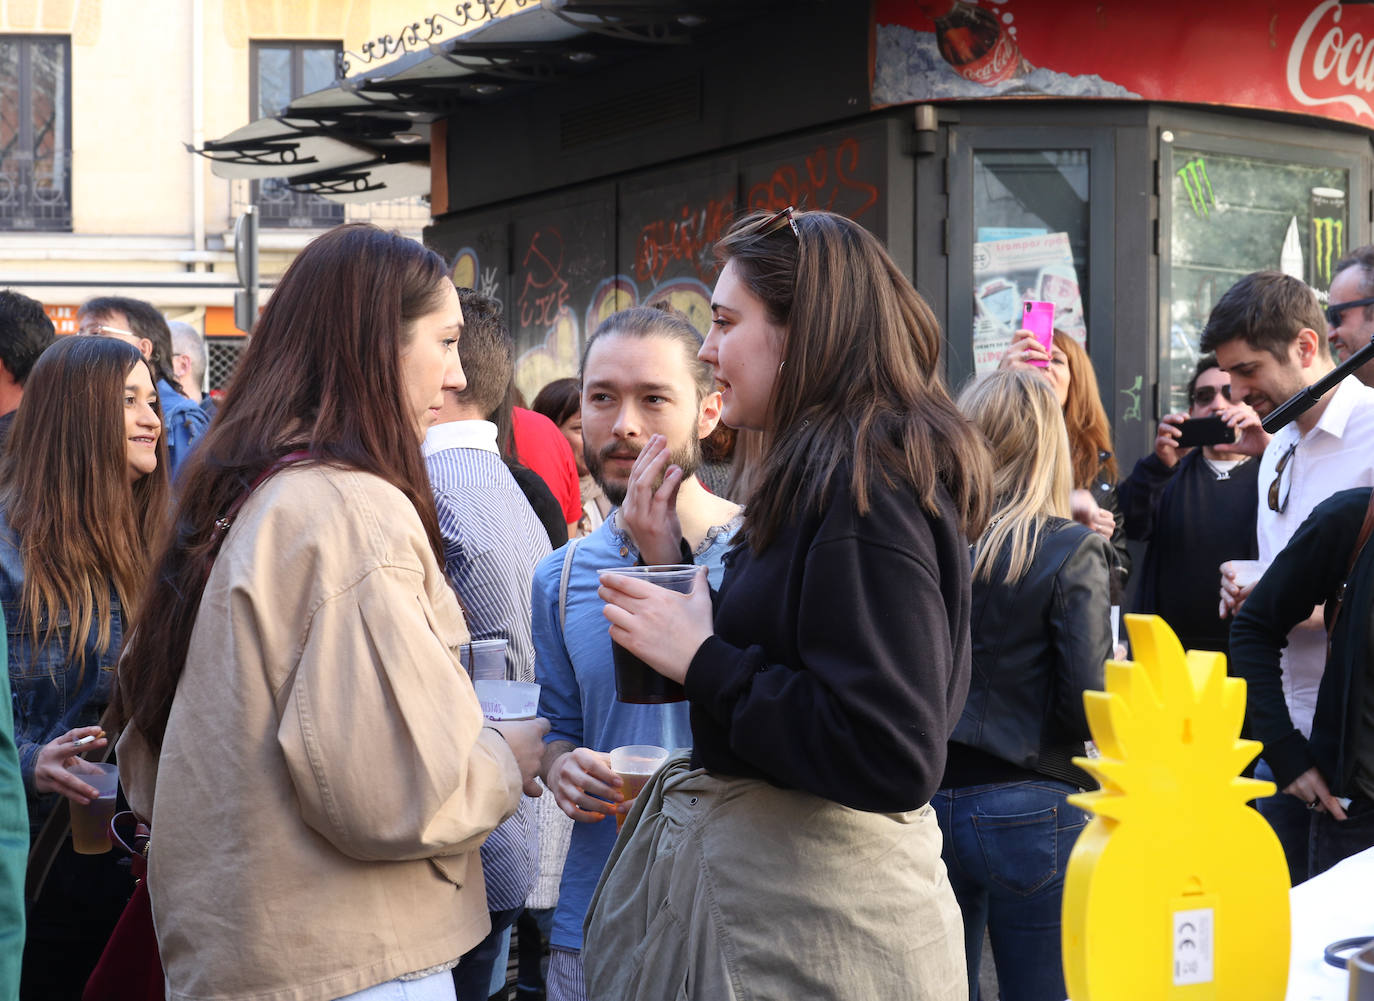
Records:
x=543, y=448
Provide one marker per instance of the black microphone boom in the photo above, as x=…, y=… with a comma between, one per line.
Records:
x=1306, y=398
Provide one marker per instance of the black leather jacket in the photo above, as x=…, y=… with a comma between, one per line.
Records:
x=1038, y=643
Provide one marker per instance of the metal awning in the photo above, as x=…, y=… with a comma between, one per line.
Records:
x=366, y=138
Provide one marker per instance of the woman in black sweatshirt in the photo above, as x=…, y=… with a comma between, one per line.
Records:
x=796, y=845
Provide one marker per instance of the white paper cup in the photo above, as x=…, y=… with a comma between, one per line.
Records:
x=508, y=699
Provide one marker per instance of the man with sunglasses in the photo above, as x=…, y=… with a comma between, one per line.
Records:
x=1350, y=315
x=1194, y=508
x=1269, y=333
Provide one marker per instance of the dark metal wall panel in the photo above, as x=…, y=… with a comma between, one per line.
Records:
x=796, y=70
x=1134, y=303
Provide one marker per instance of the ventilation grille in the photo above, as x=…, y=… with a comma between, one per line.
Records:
x=224, y=355
x=669, y=103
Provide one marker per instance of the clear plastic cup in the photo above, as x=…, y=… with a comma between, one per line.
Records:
x=485, y=660
x=91, y=823
x=635, y=764
x=635, y=681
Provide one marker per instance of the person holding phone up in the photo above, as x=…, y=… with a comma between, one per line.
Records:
x=1194, y=507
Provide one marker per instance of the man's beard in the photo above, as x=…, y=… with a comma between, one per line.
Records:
x=688, y=456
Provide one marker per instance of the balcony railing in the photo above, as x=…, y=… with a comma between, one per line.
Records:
x=409, y=215
x=281, y=208
x=36, y=194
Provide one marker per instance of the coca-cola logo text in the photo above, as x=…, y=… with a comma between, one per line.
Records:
x=993, y=68
x=1329, y=63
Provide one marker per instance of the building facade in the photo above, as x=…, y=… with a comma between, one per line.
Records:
x=99, y=100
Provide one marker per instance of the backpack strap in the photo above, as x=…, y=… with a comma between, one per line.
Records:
x=563, y=585
x=1334, y=604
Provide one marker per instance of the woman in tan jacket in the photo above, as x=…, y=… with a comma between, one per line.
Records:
x=300, y=734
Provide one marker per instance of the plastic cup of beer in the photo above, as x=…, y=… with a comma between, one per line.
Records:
x=508, y=699
x=485, y=659
x=635, y=681
x=91, y=823
x=635, y=764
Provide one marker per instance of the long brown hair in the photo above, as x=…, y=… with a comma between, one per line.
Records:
x=859, y=382
x=1089, y=432
x=323, y=373
x=82, y=527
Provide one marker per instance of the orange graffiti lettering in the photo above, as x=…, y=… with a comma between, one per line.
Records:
x=825, y=180
x=544, y=292
x=687, y=237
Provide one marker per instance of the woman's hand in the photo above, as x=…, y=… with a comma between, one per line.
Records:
x=661, y=627
x=60, y=762
x=1311, y=788
x=583, y=785
x=525, y=737
x=1087, y=512
x=1025, y=348
x=649, y=511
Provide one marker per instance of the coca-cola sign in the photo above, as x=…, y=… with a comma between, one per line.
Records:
x=1329, y=63
x=1310, y=57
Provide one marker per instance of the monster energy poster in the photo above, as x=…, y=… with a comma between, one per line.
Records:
x=1006, y=273
x=1327, y=243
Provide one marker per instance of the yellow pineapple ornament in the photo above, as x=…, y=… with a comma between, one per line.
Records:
x=1176, y=890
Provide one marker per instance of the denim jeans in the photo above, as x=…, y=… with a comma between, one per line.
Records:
x=1291, y=821
x=436, y=987
x=1334, y=840
x=1006, y=848
x=473, y=975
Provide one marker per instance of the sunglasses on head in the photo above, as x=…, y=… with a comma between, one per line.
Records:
x=777, y=221
x=1334, y=311
x=1204, y=395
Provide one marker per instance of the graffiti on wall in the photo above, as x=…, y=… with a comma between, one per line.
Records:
x=684, y=236
x=828, y=178
x=572, y=263
x=543, y=291
x=544, y=306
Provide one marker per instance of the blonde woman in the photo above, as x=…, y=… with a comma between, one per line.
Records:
x=1041, y=632
x=1094, y=501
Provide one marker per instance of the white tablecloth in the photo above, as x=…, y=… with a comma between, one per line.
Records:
x=1335, y=905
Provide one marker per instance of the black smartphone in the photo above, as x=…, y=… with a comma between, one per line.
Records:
x=1205, y=431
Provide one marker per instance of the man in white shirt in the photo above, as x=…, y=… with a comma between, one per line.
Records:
x=1269, y=333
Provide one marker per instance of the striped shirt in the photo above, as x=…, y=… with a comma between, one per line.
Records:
x=492, y=541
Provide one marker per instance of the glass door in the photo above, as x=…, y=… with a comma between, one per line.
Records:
x=1232, y=208
x=1030, y=210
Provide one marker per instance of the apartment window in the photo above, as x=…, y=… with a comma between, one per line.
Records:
x=282, y=72
x=35, y=133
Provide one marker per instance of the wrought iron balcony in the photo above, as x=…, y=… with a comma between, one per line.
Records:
x=281, y=207
x=36, y=194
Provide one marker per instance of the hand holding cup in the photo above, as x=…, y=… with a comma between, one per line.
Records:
x=584, y=785
x=636, y=765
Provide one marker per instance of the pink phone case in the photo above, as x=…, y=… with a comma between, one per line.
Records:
x=1038, y=318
